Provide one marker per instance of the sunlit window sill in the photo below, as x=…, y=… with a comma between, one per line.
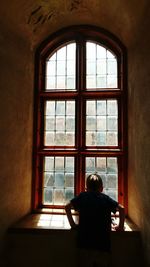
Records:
x=47, y=221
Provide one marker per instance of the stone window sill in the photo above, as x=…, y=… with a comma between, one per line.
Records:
x=47, y=221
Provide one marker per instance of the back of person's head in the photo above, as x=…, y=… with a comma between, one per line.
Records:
x=94, y=183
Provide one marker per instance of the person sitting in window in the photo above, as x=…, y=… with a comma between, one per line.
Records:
x=94, y=228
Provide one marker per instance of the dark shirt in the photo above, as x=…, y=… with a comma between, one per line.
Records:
x=94, y=219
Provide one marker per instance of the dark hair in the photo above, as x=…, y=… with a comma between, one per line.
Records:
x=94, y=182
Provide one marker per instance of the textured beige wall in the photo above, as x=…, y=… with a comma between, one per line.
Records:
x=139, y=132
x=22, y=31
x=16, y=115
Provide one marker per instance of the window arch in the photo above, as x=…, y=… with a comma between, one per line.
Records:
x=80, y=115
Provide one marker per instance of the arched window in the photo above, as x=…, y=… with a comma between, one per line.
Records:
x=80, y=115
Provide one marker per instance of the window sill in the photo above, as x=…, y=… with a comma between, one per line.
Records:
x=40, y=222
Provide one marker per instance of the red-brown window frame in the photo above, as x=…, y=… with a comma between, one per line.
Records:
x=79, y=34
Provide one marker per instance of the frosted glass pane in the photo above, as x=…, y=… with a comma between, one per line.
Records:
x=112, y=108
x=70, y=108
x=61, y=67
x=112, y=67
x=71, y=50
x=49, y=163
x=59, y=128
x=112, y=123
x=70, y=123
x=48, y=179
x=91, y=50
x=101, y=164
x=60, y=107
x=69, y=180
x=101, y=123
x=51, y=82
x=70, y=67
x=101, y=107
x=61, y=53
x=48, y=196
x=60, y=139
x=112, y=166
x=101, y=81
x=70, y=82
x=91, y=67
x=59, y=163
x=91, y=123
x=59, y=180
x=61, y=82
x=90, y=138
x=101, y=70
x=101, y=138
x=69, y=138
x=59, y=196
x=51, y=68
x=112, y=139
x=110, y=54
x=60, y=123
x=50, y=123
x=69, y=164
x=49, y=138
x=90, y=164
x=111, y=181
x=102, y=126
x=111, y=81
x=101, y=67
x=101, y=52
x=91, y=81
x=91, y=108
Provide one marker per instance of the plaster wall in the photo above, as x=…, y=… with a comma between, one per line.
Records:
x=16, y=115
x=139, y=133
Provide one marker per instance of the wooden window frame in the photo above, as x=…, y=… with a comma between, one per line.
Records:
x=79, y=34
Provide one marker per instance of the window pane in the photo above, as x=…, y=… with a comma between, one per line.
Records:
x=58, y=180
x=101, y=67
x=59, y=126
x=61, y=68
x=107, y=168
x=102, y=126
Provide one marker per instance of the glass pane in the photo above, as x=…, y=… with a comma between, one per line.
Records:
x=91, y=67
x=107, y=168
x=61, y=53
x=91, y=81
x=60, y=82
x=58, y=183
x=59, y=126
x=61, y=68
x=101, y=67
x=69, y=180
x=59, y=180
x=90, y=123
x=91, y=50
x=102, y=126
x=70, y=67
x=71, y=50
x=91, y=108
x=51, y=68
